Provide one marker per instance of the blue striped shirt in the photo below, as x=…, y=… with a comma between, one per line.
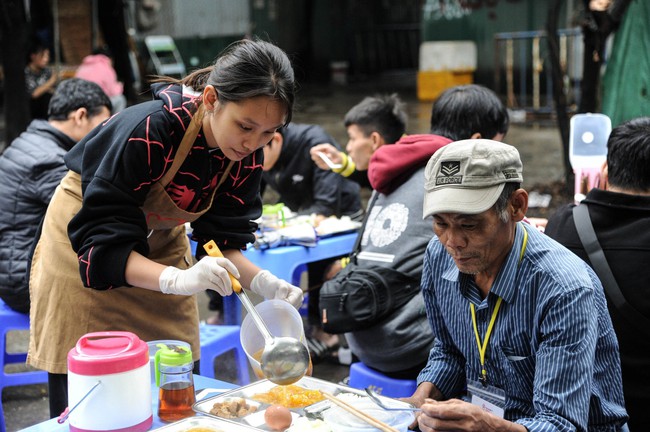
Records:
x=552, y=350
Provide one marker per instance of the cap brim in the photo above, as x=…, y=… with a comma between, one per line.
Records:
x=460, y=200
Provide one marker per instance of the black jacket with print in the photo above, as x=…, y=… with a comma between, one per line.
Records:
x=119, y=161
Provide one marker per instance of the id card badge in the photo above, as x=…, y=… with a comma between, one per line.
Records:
x=491, y=399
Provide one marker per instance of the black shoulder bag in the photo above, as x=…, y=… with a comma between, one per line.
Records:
x=358, y=298
x=598, y=260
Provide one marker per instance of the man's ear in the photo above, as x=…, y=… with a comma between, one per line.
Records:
x=476, y=135
x=519, y=204
x=377, y=140
x=79, y=115
x=210, y=99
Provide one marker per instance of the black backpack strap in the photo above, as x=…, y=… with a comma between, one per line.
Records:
x=357, y=244
x=598, y=260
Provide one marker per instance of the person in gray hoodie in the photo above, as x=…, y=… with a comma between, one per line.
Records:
x=395, y=234
x=32, y=167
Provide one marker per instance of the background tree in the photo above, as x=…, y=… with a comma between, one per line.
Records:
x=602, y=18
x=559, y=92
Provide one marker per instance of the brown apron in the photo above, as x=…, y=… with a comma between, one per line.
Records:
x=63, y=310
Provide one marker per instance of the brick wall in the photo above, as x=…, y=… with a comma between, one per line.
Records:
x=75, y=29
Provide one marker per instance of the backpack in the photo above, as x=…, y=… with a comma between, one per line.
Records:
x=358, y=298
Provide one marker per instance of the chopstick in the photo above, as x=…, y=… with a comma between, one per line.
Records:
x=358, y=413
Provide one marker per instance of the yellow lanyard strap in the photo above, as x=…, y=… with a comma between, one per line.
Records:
x=482, y=347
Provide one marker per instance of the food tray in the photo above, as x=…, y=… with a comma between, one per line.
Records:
x=256, y=419
x=204, y=424
x=310, y=417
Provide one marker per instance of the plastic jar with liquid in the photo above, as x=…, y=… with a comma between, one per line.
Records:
x=173, y=367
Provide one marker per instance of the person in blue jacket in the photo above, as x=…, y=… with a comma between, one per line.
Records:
x=524, y=341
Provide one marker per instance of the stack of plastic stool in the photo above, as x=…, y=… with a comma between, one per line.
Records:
x=361, y=376
x=217, y=340
x=11, y=320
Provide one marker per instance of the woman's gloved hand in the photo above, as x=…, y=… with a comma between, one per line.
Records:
x=271, y=287
x=208, y=273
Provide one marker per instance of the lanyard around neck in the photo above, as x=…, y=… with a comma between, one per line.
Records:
x=482, y=347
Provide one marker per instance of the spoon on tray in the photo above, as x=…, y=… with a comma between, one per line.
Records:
x=284, y=360
x=375, y=397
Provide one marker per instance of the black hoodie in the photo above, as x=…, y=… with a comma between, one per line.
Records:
x=120, y=160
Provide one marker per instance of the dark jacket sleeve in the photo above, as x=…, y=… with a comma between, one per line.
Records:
x=361, y=178
x=561, y=228
x=118, y=163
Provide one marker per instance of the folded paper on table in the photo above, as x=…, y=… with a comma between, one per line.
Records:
x=333, y=225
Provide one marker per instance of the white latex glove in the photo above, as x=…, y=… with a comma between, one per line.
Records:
x=208, y=273
x=271, y=287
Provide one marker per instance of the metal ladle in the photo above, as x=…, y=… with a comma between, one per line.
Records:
x=284, y=359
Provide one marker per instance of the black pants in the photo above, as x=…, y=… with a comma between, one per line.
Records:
x=16, y=298
x=57, y=386
x=216, y=301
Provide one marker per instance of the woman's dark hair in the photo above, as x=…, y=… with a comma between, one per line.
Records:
x=246, y=69
x=103, y=50
x=460, y=112
x=75, y=93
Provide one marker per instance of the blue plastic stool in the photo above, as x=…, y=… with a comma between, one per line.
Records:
x=361, y=376
x=217, y=340
x=11, y=320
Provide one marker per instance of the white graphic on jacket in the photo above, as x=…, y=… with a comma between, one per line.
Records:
x=385, y=226
x=389, y=224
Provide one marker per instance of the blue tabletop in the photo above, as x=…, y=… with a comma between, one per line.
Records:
x=200, y=383
x=288, y=263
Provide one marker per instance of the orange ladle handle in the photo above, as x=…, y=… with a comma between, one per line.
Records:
x=213, y=250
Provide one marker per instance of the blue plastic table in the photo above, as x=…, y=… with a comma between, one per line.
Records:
x=200, y=383
x=288, y=262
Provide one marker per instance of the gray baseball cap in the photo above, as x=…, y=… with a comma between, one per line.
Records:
x=468, y=176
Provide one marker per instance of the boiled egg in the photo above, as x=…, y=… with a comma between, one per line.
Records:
x=277, y=417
